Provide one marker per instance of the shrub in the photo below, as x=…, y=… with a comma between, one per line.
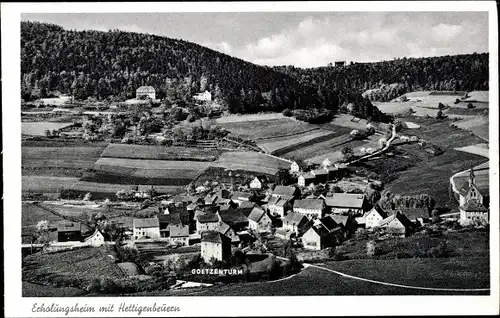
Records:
x=287, y=112
x=372, y=249
x=470, y=106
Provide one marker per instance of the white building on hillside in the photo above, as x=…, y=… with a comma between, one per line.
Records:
x=206, y=96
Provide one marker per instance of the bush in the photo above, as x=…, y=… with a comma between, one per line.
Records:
x=470, y=106
x=372, y=248
x=287, y=112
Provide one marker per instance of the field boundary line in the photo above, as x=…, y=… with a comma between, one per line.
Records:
x=396, y=285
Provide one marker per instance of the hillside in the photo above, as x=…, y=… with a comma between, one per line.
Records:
x=390, y=79
x=112, y=65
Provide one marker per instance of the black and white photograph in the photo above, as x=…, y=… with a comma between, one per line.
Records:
x=165, y=153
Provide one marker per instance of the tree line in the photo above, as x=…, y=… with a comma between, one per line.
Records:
x=390, y=79
x=112, y=65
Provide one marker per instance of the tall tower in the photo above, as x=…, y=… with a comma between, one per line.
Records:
x=472, y=177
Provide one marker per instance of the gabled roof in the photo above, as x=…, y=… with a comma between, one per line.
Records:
x=294, y=218
x=284, y=190
x=150, y=222
x=474, y=206
x=273, y=201
x=182, y=211
x=247, y=205
x=233, y=217
x=320, y=229
x=329, y=223
x=147, y=89
x=320, y=172
x=223, y=228
x=96, y=232
x=345, y=200
x=68, y=227
x=378, y=210
x=400, y=217
x=214, y=237
x=256, y=214
x=313, y=204
x=240, y=194
x=207, y=218
x=281, y=203
x=340, y=219
x=170, y=218
x=179, y=230
x=210, y=198
x=307, y=175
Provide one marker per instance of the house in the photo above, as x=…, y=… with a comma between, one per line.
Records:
x=279, y=206
x=179, y=234
x=239, y=196
x=346, y=203
x=210, y=199
x=96, y=239
x=259, y=221
x=419, y=216
x=146, y=228
x=256, y=184
x=285, y=192
x=229, y=232
x=374, y=217
x=223, y=194
x=317, y=237
x=207, y=222
x=348, y=223
x=333, y=172
x=178, y=210
x=246, y=207
x=145, y=92
x=166, y=220
x=234, y=218
x=312, y=208
x=206, y=96
x=215, y=246
x=336, y=229
x=397, y=225
x=69, y=232
x=296, y=223
x=294, y=167
x=320, y=175
x=474, y=200
x=305, y=179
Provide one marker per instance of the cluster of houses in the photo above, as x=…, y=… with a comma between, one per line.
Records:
x=325, y=173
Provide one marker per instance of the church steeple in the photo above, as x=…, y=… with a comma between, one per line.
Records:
x=472, y=177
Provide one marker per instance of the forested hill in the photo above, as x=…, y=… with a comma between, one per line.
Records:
x=445, y=73
x=112, y=65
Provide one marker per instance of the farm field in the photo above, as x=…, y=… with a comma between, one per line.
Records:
x=37, y=290
x=158, y=152
x=31, y=215
x=282, y=145
x=268, y=129
x=251, y=117
x=108, y=190
x=319, y=148
x=250, y=161
x=334, y=152
x=479, y=149
x=413, y=171
x=46, y=184
x=38, y=128
x=58, y=161
x=82, y=265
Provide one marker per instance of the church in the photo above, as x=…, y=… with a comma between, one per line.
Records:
x=474, y=200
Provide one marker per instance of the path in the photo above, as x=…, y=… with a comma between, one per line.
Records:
x=376, y=153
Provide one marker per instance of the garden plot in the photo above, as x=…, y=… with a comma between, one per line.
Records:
x=285, y=144
x=39, y=128
x=158, y=152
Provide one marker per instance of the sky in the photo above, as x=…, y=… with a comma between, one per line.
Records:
x=302, y=39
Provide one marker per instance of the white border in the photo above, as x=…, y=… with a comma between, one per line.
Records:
x=16, y=306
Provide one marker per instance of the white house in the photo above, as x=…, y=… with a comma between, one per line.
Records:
x=256, y=183
x=312, y=208
x=96, y=239
x=294, y=167
x=207, y=222
x=215, y=246
x=326, y=163
x=474, y=200
x=179, y=234
x=305, y=179
x=374, y=217
x=258, y=220
x=206, y=96
x=346, y=203
x=295, y=222
x=145, y=92
x=279, y=206
x=146, y=228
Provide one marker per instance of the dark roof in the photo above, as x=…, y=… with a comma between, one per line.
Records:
x=233, y=217
x=151, y=222
x=329, y=223
x=223, y=228
x=170, y=218
x=474, y=206
x=295, y=218
x=320, y=172
x=340, y=219
x=284, y=190
x=483, y=189
x=379, y=210
x=256, y=214
x=207, y=217
x=246, y=207
x=181, y=210
x=214, y=237
x=314, y=204
x=414, y=213
x=400, y=217
x=69, y=227
x=179, y=230
x=321, y=230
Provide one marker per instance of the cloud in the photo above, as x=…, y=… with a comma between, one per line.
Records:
x=446, y=32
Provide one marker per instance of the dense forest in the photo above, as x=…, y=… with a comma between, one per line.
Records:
x=112, y=65
x=390, y=79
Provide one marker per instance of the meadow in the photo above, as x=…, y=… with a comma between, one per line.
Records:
x=268, y=129
x=250, y=161
x=39, y=128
